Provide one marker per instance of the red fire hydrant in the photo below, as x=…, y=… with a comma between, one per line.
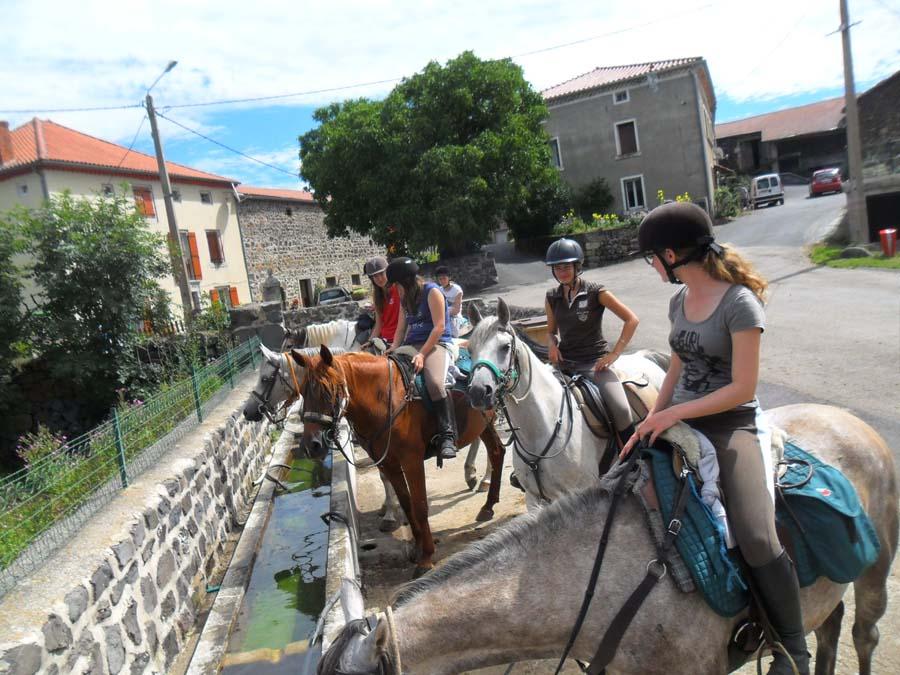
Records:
x=888, y=242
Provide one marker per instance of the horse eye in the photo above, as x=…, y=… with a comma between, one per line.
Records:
x=505, y=348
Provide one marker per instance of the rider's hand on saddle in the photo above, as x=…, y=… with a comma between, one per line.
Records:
x=553, y=354
x=606, y=361
x=418, y=362
x=650, y=429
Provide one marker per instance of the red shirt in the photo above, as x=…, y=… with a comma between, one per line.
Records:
x=390, y=315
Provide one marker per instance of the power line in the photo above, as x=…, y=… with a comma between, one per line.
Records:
x=68, y=110
x=230, y=149
x=133, y=140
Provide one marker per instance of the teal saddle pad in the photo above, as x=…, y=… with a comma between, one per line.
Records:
x=464, y=363
x=830, y=533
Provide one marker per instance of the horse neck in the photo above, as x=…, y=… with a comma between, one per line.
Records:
x=513, y=598
x=365, y=377
x=540, y=403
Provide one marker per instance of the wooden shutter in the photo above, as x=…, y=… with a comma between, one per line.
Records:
x=234, y=297
x=195, y=255
x=143, y=199
x=215, y=250
x=214, y=295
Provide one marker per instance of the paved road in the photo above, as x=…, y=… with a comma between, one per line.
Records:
x=833, y=335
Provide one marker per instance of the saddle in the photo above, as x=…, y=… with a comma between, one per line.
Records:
x=415, y=382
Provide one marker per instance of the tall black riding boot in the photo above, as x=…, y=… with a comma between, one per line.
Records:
x=780, y=591
x=446, y=419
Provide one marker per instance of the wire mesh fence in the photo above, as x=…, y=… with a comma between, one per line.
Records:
x=44, y=503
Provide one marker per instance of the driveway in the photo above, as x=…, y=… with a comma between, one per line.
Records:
x=833, y=335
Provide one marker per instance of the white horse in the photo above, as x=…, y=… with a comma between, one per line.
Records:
x=557, y=452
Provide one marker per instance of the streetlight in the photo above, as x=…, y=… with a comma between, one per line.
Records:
x=176, y=255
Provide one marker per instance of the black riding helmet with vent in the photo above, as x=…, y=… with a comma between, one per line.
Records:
x=401, y=269
x=375, y=265
x=565, y=251
x=678, y=226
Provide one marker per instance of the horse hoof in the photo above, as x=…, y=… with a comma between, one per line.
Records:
x=471, y=482
x=484, y=487
x=420, y=571
x=388, y=525
x=484, y=515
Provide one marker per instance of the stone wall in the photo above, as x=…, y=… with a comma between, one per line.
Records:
x=131, y=613
x=290, y=239
x=472, y=272
x=268, y=320
x=601, y=247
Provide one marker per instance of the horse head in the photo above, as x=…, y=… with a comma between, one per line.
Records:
x=358, y=650
x=275, y=386
x=493, y=348
x=324, y=399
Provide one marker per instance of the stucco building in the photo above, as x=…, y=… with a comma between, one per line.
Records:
x=42, y=158
x=284, y=231
x=643, y=127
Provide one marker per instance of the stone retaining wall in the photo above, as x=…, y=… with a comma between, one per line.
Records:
x=132, y=612
x=601, y=247
x=472, y=272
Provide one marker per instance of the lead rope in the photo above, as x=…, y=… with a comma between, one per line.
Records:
x=395, y=645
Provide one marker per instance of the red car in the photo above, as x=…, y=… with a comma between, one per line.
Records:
x=825, y=180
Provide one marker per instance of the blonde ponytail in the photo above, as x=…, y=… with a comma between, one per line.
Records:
x=735, y=269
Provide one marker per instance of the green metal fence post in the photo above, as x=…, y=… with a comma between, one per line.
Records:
x=196, y=387
x=120, y=447
x=228, y=365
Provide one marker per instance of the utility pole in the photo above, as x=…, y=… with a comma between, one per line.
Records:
x=856, y=200
x=179, y=267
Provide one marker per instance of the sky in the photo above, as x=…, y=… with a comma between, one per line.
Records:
x=763, y=55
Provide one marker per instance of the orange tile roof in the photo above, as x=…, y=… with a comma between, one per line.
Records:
x=607, y=75
x=276, y=193
x=805, y=119
x=54, y=145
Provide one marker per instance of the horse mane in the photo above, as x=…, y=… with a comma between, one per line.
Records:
x=513, y=540
x=483, y=331
x=330, y=662
x=318, y=334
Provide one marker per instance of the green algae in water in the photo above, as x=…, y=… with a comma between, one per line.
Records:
x=287, y=587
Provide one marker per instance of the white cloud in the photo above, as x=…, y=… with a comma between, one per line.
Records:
x=228, y=164
x=95, y=52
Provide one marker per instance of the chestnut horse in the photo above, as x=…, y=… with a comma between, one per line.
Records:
x=369, y=391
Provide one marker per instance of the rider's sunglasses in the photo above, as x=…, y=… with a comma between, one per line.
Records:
x=648, y=258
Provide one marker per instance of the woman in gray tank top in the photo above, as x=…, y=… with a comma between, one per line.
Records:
x=717, y=320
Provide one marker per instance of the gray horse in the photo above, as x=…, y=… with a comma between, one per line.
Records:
x=515, y=595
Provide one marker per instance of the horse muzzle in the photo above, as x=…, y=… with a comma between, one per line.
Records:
x=482, y=395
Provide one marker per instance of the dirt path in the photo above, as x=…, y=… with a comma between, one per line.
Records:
x=453, y=508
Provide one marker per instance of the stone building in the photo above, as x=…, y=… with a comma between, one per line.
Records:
x=644, y=127
x=284, y=230
x=879, y=126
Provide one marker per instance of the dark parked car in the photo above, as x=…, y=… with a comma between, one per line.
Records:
x=332, y=295
x=824, y=181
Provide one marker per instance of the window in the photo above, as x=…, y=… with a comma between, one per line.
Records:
x=191, y=255
x=143, y=199
x=331, y=281
x=633, y=193
x=774, y=181
x=176, y=195
x=22, y=189
x=221, y=294
x=620, y=96
x=627, y=138
x=763, y=183
x=289, y=211
x=214, y=243
x=107, y=190
x=206, y=198
x=355, y=280
x=555, y=155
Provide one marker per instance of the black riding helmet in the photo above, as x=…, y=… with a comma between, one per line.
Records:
x=400, y=269
x=565, y=251
x=678, y=226
x=375, y=265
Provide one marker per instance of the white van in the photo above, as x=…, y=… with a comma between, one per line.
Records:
x=766, y=189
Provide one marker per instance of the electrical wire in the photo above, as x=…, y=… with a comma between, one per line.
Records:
x=69, y=110
x=133, y=140
x=226, y=147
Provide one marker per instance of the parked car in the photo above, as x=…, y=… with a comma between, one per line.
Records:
x=332, y=295
x=825, y=181
x=766, y=189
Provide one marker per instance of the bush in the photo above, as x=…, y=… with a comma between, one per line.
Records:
x=359, y=293
x=572, y=224
x=728, y=202
x=595, y=197
x=543, y=209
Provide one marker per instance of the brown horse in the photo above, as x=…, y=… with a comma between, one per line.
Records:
x=369, y=391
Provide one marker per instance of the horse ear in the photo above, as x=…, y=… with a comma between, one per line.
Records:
x=474, y=314
x=502, y=312
x=299, y=358
x=268, y=354
x=327, y=356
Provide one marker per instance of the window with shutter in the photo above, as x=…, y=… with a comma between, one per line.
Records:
x=143, y=199
x=214, y=296
x=214, y=242
x=195, y=256
x=234, y=297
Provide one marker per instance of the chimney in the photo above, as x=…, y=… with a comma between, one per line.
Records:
x=6, y=146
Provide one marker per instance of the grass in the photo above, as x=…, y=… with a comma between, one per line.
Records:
x=823, y=254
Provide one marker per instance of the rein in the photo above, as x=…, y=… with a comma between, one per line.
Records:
x=272, y=414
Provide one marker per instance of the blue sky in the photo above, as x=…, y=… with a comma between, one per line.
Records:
x=105, y=53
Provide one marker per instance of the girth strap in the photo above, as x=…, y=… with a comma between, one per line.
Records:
x=656, y=570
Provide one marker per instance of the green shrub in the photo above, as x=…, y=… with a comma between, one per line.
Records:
x=728, y=203
x=359, y=293
x=595, y=197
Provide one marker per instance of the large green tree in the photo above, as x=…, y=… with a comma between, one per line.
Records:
x=96, y=262
x=12, y=325
x=449, y=153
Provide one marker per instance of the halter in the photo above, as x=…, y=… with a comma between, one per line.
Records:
x=506, y=380
x=272, y=414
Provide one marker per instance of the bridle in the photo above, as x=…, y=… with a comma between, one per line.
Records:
x=273, y=414
x=507, y=381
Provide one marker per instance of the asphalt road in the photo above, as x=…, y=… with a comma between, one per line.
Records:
x=833, y=336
